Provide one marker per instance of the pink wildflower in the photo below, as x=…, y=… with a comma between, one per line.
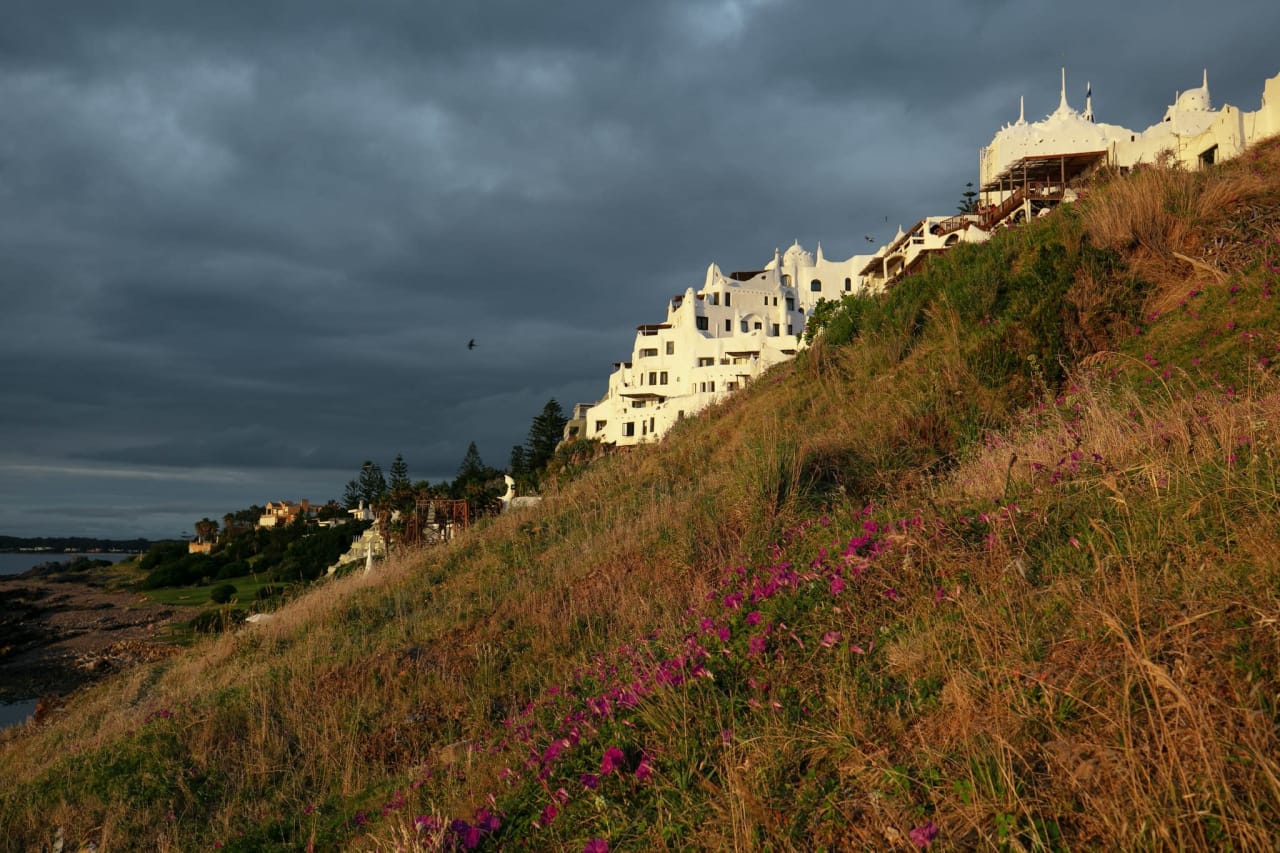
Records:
x=612, y=760
x=830, y=638
x=922, y=836
x=596, y=845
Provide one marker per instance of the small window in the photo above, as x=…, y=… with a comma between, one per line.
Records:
x=774, y=331
x=671, y=347
x=759, y=326
x=662, y=378
x=790, y=329
x=731, y=386
x=629, y=428
x=649, y=352
x=600, y=425
x=744, y=325
x=786, y=281
x=848, y=284
x=726, y=300
x=711, y=386
x=706, y=361
x=816, y=285
x=702, y=324
x=791, y=303
x=728, y=325
x=653, y=377
x=715, y=299
x=651, y=429
x=1209, y=156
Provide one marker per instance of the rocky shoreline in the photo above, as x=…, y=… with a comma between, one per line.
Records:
x=61, y=628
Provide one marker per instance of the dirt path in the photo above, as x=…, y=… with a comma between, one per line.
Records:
x=59, y=631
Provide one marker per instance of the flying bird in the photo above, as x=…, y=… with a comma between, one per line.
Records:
x=471, y=344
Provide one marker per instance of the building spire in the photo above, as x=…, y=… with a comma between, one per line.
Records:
x=1022, y=109
x=1062, y=102
x=1088, y=101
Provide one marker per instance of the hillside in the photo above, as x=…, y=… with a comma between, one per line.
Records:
x=991, y=565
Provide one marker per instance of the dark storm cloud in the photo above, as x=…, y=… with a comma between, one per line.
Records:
x=243, y=245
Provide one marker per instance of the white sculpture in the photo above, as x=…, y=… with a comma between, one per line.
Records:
x=510, y=501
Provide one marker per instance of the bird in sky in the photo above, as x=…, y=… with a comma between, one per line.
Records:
x=471, y=344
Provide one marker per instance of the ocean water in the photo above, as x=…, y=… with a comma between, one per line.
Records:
x=16, y=564
x=13, y=713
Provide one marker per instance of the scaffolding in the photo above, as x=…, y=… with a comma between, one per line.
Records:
x=434, y=521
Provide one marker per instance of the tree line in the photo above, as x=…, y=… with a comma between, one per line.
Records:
x=476, y=482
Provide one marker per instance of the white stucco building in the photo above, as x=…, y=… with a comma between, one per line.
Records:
x=717, y=339
x=1036, y=163
x=714, y=341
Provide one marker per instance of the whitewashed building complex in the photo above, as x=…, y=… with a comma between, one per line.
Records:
x=719, y=338
x=1029, y=166
x=714, y=341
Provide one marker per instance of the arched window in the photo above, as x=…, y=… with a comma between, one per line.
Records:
x=816, y=285
x=848, y=284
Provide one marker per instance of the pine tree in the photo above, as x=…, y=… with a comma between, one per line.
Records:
x=968, y=199
x=519, y=461
x=545, y=433
x=373, y=485
x=472, y=465
x=399, y=483
x=351, y=497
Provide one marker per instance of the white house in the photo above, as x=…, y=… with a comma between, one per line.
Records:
x=1031, y=165
x=714, y=341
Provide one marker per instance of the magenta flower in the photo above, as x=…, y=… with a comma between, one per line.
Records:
x=590, y=781
x=596, y=845
x=644, y=770
x=830, y=638
x=612, y=760
x=756, y=645
x=753, y=618
x=548, y=814
x=837, y=585
x=922, y=836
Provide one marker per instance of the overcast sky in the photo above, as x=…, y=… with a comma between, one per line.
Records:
x=243, y=245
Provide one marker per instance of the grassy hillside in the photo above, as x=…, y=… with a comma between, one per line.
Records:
x=992, y=565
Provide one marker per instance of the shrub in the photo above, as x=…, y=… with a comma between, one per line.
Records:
x=222, y=593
